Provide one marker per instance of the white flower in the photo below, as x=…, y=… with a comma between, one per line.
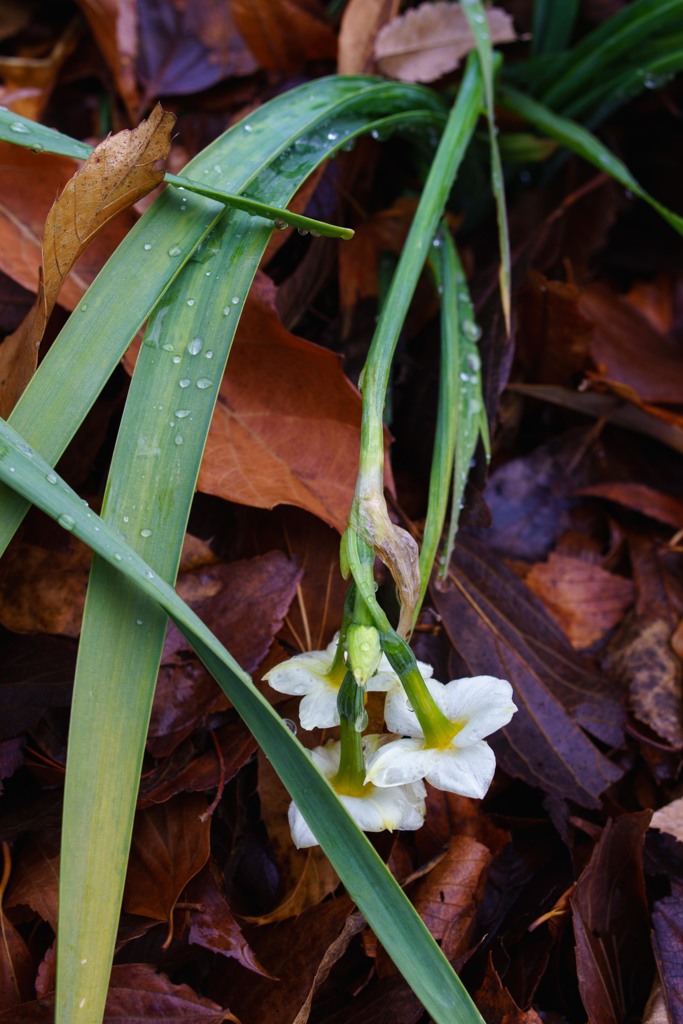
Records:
x=396, y=807
x=309, y=676
x=465, y=764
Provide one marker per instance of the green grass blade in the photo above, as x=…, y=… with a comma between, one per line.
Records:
x=476, y=19
x=552, y=25
x=386, y=908
x=615, y=40
x=584, y=144
x=113, y=694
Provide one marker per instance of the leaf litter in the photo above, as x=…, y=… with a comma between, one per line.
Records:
x=558, y=897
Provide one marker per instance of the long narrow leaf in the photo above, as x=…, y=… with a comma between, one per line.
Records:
x=476, y=19
x=584, y=144
x=368, y=881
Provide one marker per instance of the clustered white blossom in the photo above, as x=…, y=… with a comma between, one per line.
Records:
x=397, y=762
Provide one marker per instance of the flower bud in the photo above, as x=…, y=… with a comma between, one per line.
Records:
x=364, y=651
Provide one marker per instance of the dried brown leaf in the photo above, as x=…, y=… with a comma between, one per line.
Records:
x=667, y=919
x=646, y=500
x=642, y=656
x=212, y=924
x=361, y=21
x=584, y=599
x=448, y=897
x=611, y=924
x=113, y=23
x=120, y=171
x=669, y=819
x=43, y=591
x=170, y=846
x=287, y=424
x=284, y=34
x=35, y=878
x=428, y=41
x=496, y=1004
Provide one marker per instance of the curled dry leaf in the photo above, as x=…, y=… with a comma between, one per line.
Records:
x=121, y=170
x=428, y=41
x=284, y=34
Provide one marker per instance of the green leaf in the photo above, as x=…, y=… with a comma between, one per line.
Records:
x=584, y=144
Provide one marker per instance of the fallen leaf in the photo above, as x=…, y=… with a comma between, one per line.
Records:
x=385, y=231
x=495, y=1003
x=585, y=600
x=35, y=878
x=286, y=429
x=628, y=349
x=28, y=81
x=428, y=41
x=37, y=674
x=360, y=23
x=284, y=34
x=187, y=47
x=42, y=590
x=212, y=925
x=642, y=657
x=170, y=846
x=498, y=628
x=669, y=819
x=646, y=500
x=16, y=965
x=334, y=952
x=114, y=25
x=553, y=335
x=655, y=1010
x=136, y=993
x=118, y=172
x=447, y=898
x=244, y=603
x=11, y=757
x=667, y=920
x=611, y=924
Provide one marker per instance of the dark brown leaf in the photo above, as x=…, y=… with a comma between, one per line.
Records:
x=611, y=924
x=137, y=995
x=667, y=918
x=499, y=629
x=35, y=878
x=212, y=924
x=43, y=590
x=37, y=674
x=447, y=898
x=496, y=1004
x=244, y=603
x=170, y=846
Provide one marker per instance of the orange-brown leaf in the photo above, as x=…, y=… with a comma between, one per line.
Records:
x=287, y=424
x=584, y=599
x=285, y=34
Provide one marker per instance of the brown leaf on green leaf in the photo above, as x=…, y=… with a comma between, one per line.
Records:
x=170, y=846
x=499, y=629
x=611, y=924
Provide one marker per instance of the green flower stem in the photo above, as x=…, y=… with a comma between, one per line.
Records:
x=437, y=729
x=350, y=779
x=457, y=133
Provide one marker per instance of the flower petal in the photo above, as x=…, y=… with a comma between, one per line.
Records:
x=467, y=772
x=399, y=762
x=482, y=704
x=301, y=833
x=318, y=708
x=296, y=675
